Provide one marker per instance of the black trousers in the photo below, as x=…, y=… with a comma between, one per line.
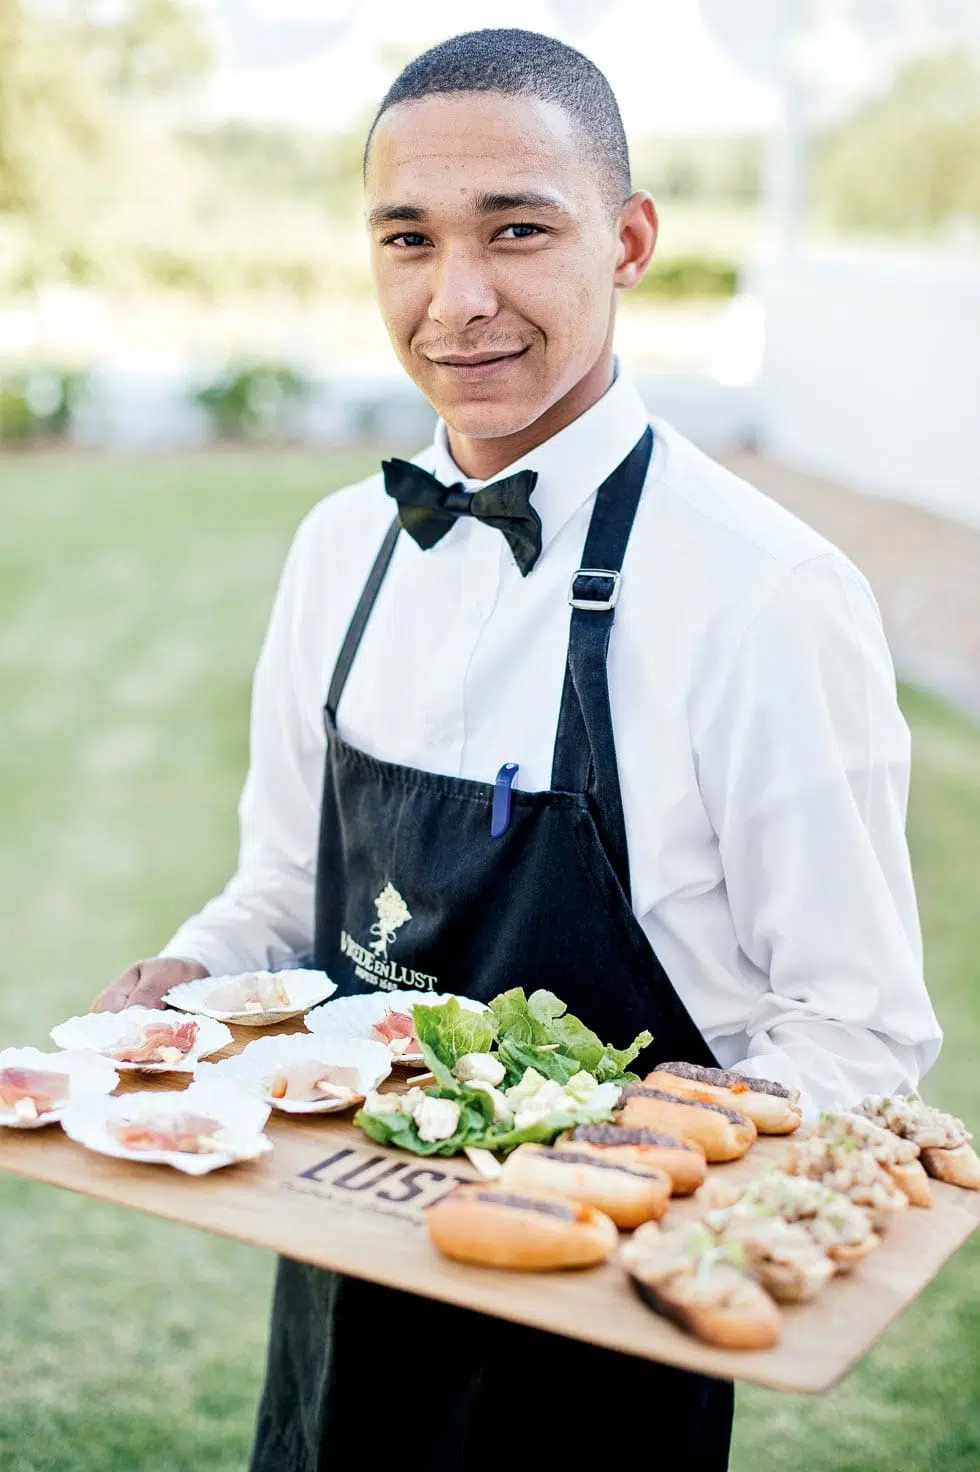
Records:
x=356, y=1369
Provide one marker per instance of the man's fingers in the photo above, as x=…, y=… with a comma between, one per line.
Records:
x=145, y=984
x=118, y=995
x=150, y=989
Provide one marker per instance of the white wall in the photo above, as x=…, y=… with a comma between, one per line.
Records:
x=871, y=373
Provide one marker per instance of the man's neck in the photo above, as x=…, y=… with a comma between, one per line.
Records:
x=481, y=459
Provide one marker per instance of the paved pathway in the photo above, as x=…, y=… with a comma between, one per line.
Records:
x=925, y=572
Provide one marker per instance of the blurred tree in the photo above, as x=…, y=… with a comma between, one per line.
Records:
x=909, y=161
x=712, y=169
x=252, y=161
x=142, y=47
x=68, y=72
x=52, y=121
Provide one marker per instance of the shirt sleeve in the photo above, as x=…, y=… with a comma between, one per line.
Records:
x=805, y=774
x=264, y=917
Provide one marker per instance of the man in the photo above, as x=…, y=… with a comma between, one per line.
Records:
x=703, y=834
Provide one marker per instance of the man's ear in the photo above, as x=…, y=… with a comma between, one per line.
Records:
x=638, y=227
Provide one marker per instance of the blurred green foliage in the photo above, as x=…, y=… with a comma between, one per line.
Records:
x=37, y=403
x=281, y=164
x=680, y=277
x=71, y=75
x=252, y=401
x=213, y=273
x=908, y=162
x=721, y=170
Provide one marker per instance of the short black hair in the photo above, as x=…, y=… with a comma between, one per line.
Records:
x=524, y=63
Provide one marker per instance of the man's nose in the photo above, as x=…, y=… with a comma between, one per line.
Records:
x=462, y=292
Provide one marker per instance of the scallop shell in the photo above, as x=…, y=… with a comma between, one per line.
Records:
x=88, y=1076
x=97, y=1032
x=242, y=1119
x=353, y=1017
x=253, y=1067
x=304, y=988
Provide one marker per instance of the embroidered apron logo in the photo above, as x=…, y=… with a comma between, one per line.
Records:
x=393, y=913
x=371, y=963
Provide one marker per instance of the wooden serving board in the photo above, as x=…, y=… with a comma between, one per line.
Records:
x=328, y=1195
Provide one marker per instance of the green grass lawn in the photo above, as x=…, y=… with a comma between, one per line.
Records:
x=133, y=596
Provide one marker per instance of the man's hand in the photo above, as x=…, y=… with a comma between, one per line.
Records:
x=145, y=982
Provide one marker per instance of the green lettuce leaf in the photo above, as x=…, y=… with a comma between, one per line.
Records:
x=614, y=1064
x=476, y=1125
x=448, y=1030
x=476, y=1117
x=528, y=1025
x=513, y=1018
x=518, y=1057
x=545, y=1009
x=582, y=1086
x=543, y=1131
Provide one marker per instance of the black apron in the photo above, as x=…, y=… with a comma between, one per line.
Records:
x=452, y=885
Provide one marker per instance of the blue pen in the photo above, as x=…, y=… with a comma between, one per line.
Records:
x=502, y=793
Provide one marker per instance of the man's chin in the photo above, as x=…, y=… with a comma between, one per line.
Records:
x=487, y=420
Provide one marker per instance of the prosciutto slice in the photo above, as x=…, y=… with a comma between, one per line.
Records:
x=158, y=1042
x=188, y=1134
x=44, y=1090
x=397, y=1030
x=250, y=994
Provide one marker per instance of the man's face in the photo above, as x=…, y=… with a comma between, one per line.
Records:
x=494, y=254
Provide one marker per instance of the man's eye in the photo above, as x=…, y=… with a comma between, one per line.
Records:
x=406, y=240
x=521, y=232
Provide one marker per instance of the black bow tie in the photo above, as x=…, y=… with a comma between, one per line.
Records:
x=427, y=509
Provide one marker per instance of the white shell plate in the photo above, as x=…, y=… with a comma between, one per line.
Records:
x=88, y=1076
x=304, y=989
x=253, y=1067
x=241, y=1117
x=353, y=1017
x=98, y=1032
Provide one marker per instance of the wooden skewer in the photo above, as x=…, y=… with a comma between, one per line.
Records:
x=484, y=1161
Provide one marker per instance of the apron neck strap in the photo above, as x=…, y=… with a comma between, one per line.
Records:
x=358, y=623
x=585, y=749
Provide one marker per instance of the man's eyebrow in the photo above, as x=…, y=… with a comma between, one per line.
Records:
x=529, y=199
x=483, y=204
x=387, y=214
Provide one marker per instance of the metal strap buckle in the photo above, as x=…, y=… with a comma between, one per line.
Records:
x=590, y=602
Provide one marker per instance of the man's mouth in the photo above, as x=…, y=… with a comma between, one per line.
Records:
x=471, y=362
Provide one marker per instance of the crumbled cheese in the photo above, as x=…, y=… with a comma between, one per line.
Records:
x=411, y=1101
x=502, y=1112
x=437, y=1119
x=480, y=1068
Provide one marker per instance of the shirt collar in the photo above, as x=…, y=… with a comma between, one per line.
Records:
x=573, y=463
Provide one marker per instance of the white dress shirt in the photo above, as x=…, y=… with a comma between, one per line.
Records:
x=763, y=758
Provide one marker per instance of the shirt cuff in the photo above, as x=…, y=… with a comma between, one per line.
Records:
x=215, y=961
